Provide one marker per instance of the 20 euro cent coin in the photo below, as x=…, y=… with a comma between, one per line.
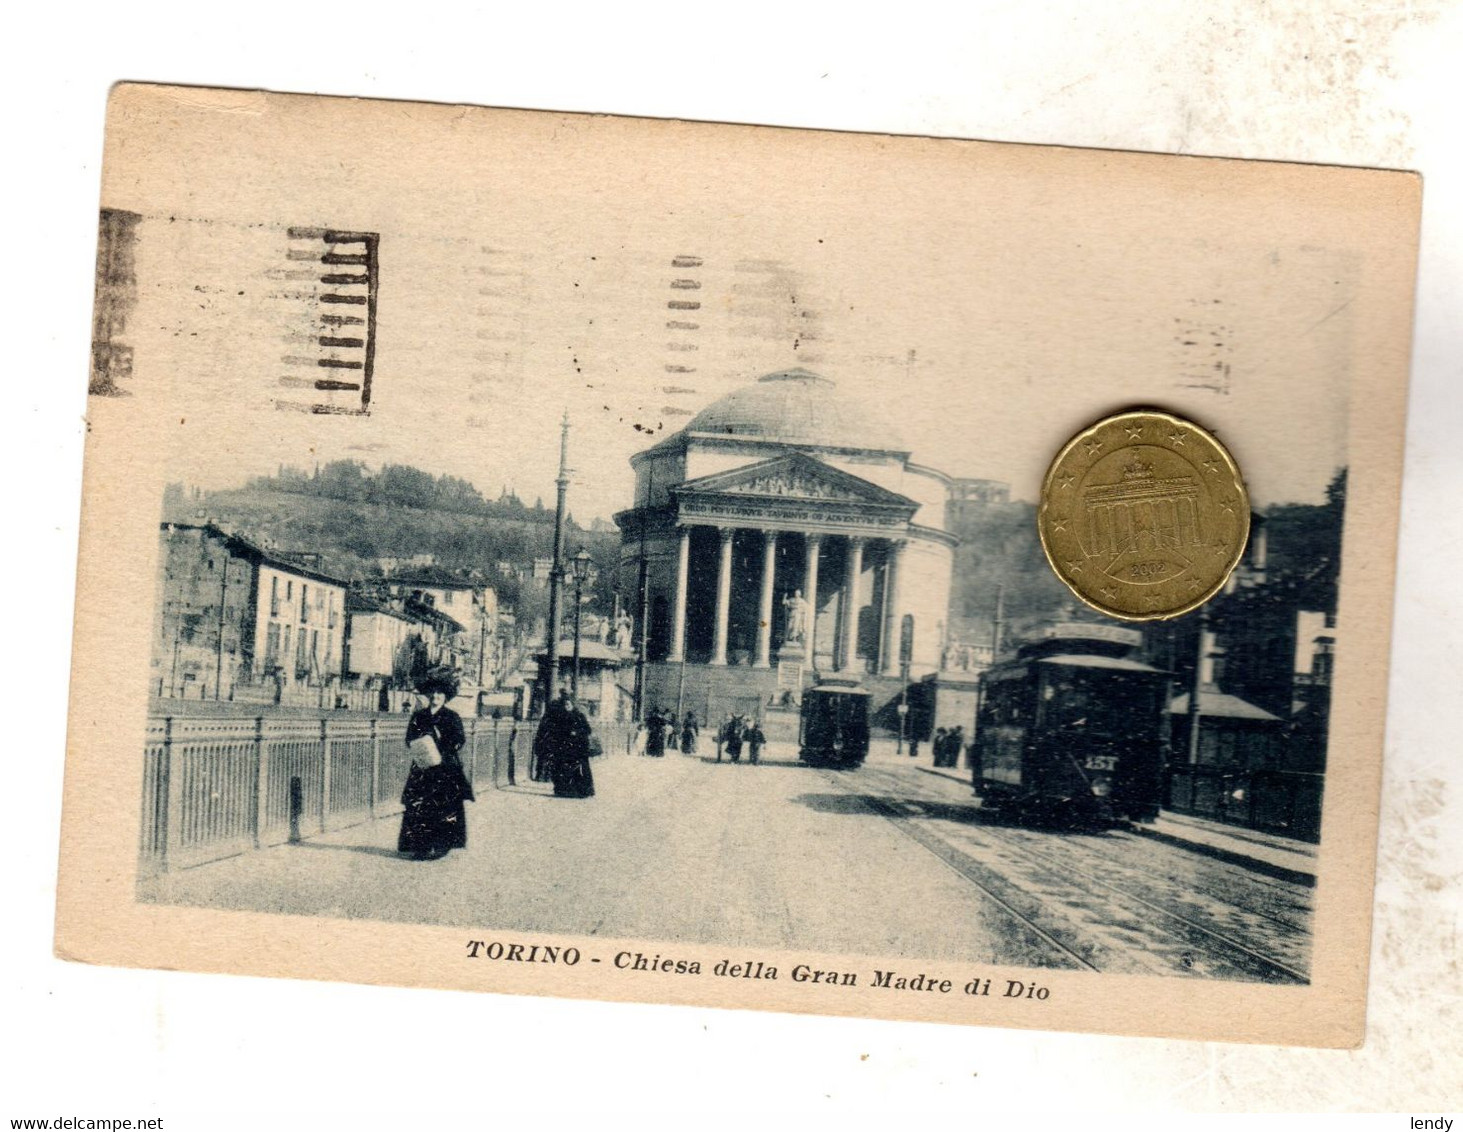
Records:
x=1144, y=515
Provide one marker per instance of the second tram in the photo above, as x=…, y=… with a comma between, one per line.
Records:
x=834, y=725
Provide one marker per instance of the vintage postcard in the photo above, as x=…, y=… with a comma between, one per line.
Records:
x=593, y=557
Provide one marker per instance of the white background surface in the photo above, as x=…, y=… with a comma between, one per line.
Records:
x=1298, y=81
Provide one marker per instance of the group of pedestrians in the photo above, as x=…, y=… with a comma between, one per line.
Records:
x=434, y=817
x=434, y=821
x=737, y=732
x=660, y=731
x=947, y=745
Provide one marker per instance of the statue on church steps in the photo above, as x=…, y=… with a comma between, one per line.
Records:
x=796, y=623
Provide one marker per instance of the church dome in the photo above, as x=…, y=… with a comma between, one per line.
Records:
x=796, y=407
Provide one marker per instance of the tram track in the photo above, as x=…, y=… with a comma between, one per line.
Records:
x=1159, y=875
x=1284, y=891
x=1188, y=923
x=1284, y=923
x=960, y=864
x=1196, y=940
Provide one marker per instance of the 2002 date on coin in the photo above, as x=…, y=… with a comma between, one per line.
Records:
x=1144, y=515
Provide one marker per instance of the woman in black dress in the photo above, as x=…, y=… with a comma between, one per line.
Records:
x=563, y=744
x=433, y=819
x=655, y=734
x=732, y=737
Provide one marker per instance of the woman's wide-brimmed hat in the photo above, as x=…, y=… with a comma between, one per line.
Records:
x=442, y=680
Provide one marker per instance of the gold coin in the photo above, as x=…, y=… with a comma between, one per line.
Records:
x=1143, y=516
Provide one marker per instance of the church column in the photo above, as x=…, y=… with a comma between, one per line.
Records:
x=889, y=638
x=764, y=609
x=848, y=646
x=683, y=569
x=723, y=597
x=810, y=594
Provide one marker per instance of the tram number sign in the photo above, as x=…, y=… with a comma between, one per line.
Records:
x=1100, y=762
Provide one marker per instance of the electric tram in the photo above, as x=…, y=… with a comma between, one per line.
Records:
x=1069, y=731
x=833, y=726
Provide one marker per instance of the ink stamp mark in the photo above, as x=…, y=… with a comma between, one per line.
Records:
x=116, y=298
x=337, y=371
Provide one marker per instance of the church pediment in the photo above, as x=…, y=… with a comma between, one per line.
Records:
x=798, y=479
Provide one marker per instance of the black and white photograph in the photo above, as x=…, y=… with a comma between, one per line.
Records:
x=634, y=583
x=1010, y=779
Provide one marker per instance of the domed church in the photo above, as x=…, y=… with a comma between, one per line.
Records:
x=783, y=536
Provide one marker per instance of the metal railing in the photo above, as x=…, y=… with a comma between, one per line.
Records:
x=216, y=787
x=1277, y=801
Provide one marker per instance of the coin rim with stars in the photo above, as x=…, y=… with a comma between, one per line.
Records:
x=1169, y=421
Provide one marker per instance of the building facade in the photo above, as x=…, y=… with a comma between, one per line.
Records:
x=387, y=645
x=466, y=602
x=233, y=616
x=786, y=533
x=300, y=630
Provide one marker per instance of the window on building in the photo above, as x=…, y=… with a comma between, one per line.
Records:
x=289, y=590
x=274, y=597
x=302, y=657
x=271, y=646
x=191, y=628
x=304, y=602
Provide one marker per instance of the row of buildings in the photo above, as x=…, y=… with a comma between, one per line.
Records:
x=241, y=621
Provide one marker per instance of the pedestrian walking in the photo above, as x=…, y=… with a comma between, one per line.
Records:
x=938, y=747
x=561, y=749
x=672, y=731
x=655, y=734
x=540, y=756
x=689, y=732
x=755, y=740
x=572, y=776
x=433, y=817
x=734, y=739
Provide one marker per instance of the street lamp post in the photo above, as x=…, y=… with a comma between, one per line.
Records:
x=556, y=571
x=581, y=572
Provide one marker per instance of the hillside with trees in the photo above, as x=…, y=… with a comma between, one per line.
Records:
x=353, y=517
x=1000, y=552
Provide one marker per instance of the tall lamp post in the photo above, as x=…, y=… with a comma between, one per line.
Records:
x=581, y=572
x=906, y=656
x=556, y=571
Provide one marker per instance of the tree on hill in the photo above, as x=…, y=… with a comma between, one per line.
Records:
x=1304, y=545
x=1000, y=553
x=401, y=486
